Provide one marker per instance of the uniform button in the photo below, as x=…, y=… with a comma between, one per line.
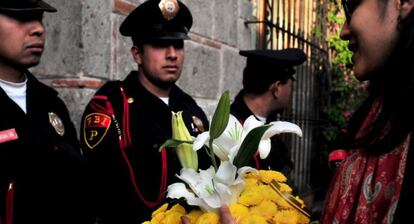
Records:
x=155, y=146
x=56, y=147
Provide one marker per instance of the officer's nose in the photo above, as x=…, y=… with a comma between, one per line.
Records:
x=171, y=52
x=37, y=28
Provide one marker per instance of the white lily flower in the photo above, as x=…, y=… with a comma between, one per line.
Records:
x=277, y=127
x=227, y=145
x=210, y=190
x=229, y=142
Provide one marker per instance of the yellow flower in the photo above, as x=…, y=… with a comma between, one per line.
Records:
x=208, y=218
x=194, y=215
x=250, y=182
x=252, y=175
x=172, y=218
x=163, y=208
x=285, y=188
x=157, y=218
x=253, y=219
x=286, y=217
x=265, y=209
x=238, y=211
x=251, y=196
x=268, y=175
x=177, y=208
x=282, y=203
x=269, y=193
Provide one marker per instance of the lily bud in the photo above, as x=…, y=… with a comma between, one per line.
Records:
x=187, y=156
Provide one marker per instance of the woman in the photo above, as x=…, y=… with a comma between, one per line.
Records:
x=372, y=185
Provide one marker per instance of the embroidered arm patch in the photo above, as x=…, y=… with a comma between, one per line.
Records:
x=95, y=128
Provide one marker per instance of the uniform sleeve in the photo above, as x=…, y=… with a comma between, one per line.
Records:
x=99, y=143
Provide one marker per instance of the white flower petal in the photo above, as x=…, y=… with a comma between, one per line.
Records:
x=200, y=203
x=264, y=148
x=250, y=123
x=201, y=140
x=213, y=201
x=234, y=129
x=222, y=147
x=282, y=127
x=233, y=152
x=179, y=190
x=226, y=173
x=223, y=191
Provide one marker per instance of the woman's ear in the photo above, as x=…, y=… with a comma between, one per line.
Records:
x=136, y=53
x=406, y=6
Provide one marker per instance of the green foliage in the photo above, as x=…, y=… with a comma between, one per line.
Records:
x=249, y=146
x=221, y=116
x=346, y=92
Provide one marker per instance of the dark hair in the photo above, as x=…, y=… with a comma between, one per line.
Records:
x=258, y=81
x=395, y=87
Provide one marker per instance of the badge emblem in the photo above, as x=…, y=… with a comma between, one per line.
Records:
x=57, y=123
x=95, y=128
x=169, y=8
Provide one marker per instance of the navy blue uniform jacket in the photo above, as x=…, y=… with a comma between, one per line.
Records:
x=127, y=183
x=39, y=161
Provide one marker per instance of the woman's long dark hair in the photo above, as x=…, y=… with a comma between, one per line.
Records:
x=395, y=87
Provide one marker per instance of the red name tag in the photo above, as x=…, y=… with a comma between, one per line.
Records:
x=8, y=135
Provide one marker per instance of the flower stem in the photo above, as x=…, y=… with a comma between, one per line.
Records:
x=211, y=154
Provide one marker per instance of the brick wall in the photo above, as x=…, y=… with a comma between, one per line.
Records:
x=84, y=49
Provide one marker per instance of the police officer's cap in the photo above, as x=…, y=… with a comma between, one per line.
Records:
x=158, y=20
x=263, y=67
x=21, y=6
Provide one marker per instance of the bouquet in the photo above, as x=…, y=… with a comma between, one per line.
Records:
x=253, y=196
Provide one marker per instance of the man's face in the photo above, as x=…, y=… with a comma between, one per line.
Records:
x=22, y=38
x=285, y=94
x=161, y=62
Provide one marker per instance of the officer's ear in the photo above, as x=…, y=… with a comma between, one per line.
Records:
x=136, y=54
x=276, y=89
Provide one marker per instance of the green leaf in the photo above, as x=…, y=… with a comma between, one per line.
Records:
x=221, y=116
x=249, y=146
x=173, y=143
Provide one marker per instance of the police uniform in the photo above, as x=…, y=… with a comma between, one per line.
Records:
x=39, y=159
x=39, y=151
x=264, y=67
x=124, y=126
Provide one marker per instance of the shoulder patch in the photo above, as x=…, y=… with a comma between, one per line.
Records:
x=95, y=128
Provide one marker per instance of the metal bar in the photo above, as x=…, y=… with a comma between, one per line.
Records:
x=268, y=23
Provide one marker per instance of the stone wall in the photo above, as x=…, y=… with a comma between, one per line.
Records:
x=84, y=49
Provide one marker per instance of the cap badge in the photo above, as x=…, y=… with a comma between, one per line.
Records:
x=57, y=123
x=169, y=8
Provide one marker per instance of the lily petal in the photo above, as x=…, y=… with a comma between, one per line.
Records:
x=250, y=123
x=282, y=127
x=179, y=190
x=201, y=140
x=226, y=173
x=264, y=148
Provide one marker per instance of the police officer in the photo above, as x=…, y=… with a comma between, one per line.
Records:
x=127, y=121
x=39, y=150
x=267, y=87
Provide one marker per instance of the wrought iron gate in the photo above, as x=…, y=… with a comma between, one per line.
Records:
x=298, y=23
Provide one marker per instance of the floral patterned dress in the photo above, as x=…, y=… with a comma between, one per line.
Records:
x=366, y=187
